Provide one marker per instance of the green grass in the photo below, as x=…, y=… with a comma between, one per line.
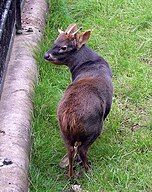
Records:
x=122, y=157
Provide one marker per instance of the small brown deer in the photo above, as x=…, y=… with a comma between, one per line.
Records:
x=87, y=100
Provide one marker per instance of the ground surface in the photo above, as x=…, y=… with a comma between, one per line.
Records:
x=122, y=157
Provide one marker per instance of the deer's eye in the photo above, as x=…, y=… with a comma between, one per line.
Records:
x=64, y=48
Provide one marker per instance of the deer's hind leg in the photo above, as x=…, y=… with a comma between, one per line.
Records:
x=71, y=152
x=83, y=148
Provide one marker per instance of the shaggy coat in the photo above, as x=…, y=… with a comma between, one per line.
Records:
x=87, y=100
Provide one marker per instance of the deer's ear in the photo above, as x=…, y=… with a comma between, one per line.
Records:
x=83, y=38
x=71, y=28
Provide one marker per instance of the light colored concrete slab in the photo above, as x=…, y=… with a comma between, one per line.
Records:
x=16, y=101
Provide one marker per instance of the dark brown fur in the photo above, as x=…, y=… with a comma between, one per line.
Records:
x=87, y=100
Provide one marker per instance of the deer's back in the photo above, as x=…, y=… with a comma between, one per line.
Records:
x=84, y=104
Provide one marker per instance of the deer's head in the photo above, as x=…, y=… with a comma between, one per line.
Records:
x=66, y=44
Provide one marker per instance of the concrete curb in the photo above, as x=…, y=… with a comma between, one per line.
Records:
x=16, y=103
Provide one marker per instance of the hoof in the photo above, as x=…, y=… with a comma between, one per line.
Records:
x=70, y=176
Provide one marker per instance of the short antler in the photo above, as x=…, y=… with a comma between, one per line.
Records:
x=71, y=29
x=77, y=31
x=60, y=31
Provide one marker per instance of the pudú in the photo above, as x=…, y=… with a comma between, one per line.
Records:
x=87, y=100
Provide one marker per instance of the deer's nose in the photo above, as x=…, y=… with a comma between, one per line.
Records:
x=46, y=56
